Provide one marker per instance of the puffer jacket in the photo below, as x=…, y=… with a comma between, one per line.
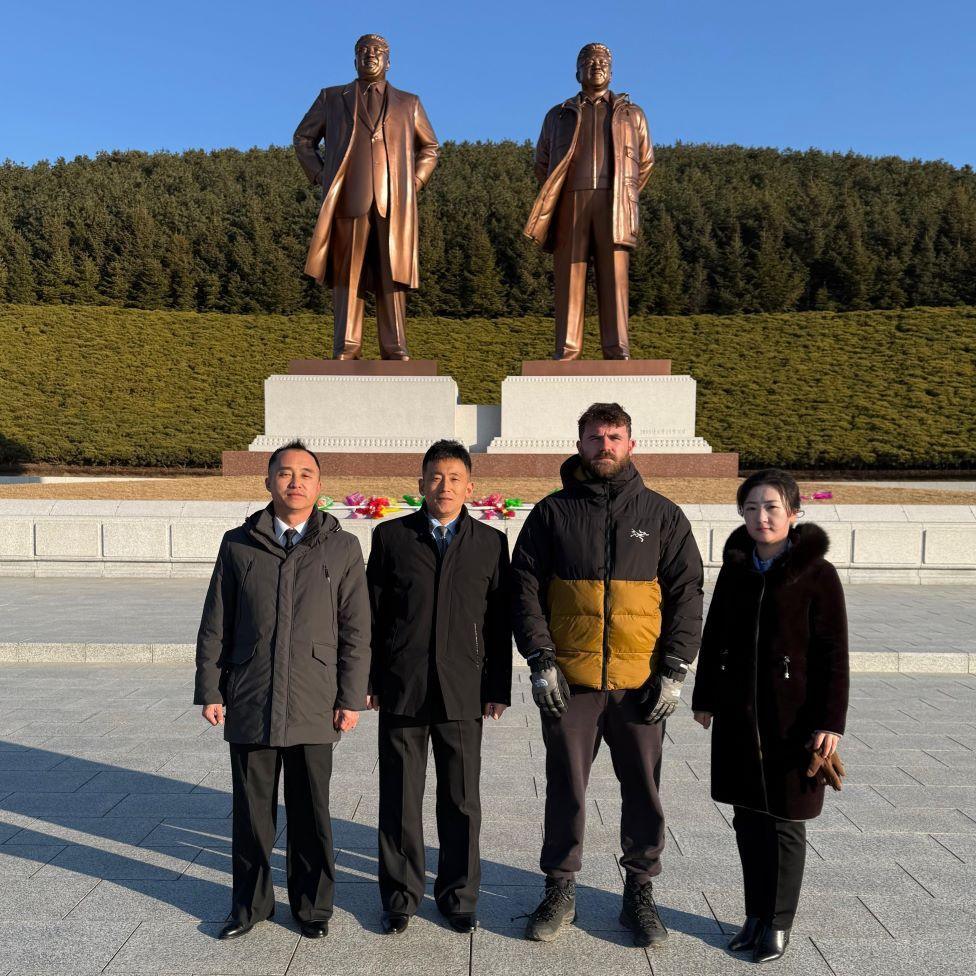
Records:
x=607, y=573
x=285, y=636
x=773, y=670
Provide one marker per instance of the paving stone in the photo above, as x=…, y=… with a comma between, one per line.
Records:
x=857, y=957
x=118, y=862
x=683, y=955
x=190, y=832
x=912, y=820
x=962, y=846
x=93, y=831
x=168, y=805
x=180, y=947
x=53, y=804
x=427, y=948
x=908, y=918
x=575, y=951
x=187, y=899
x=29, y=898
x=25, y=860
x=80, y=948
x=845, y=848
x=931, y=797
x=847, y=914
x=125, y=781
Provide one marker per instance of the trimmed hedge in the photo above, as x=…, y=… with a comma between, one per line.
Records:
x=98, y=385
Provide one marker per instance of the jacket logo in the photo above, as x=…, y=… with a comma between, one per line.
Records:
x=638, y=534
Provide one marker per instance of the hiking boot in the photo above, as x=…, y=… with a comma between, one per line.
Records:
x=640, y=915
x=556, y=911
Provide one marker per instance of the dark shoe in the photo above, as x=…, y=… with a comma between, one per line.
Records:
x=640, y=915
x=556, y=911
x=770, y=944
x=233, y=930
x=463, y=922
x=314, y=930
x=395, y=922
x=745, y=938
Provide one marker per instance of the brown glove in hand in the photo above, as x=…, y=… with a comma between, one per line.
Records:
x=829, y=771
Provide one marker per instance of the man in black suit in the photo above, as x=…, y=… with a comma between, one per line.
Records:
x=442, y=662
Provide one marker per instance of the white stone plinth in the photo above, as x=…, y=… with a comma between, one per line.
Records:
x=358, y=413
x=539, y=413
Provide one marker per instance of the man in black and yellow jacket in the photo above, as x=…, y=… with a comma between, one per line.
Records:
x=607, y=585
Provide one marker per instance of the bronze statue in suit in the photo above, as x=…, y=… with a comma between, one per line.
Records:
x=379, y=150
x=592, y=160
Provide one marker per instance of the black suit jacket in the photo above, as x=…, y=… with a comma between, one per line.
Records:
x=457, y=612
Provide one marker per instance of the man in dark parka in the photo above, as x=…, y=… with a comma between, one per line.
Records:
x=284, y=648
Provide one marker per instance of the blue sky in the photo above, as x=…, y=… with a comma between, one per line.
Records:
x=870, y=76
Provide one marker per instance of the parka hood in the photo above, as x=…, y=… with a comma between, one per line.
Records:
x=809, y=543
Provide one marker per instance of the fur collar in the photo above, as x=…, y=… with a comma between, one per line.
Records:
x=809, y=544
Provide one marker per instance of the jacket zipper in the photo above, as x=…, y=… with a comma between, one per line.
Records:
x=786, y=668
x=477, y=645
x=755, y=691
x=606, y=598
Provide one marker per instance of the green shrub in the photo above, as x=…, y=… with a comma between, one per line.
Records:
x=101, y=385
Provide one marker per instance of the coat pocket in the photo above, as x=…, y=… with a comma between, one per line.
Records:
x=325, y=653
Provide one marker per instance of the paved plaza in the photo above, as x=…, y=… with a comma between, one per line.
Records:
x=115, y=834
x=883, y=617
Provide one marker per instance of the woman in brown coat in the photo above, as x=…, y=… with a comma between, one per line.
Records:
x=773, y=676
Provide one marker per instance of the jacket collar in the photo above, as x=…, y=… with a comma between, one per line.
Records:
x=260, y=526
x=808, y=543
x=577, y=482
x=350, y=95
x=420, y=522
x=617, y=99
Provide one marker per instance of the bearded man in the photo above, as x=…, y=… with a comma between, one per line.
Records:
x=607, y=583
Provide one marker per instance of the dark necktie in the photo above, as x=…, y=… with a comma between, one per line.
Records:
x=440, y=534
x=373, y=105
x=290, y=539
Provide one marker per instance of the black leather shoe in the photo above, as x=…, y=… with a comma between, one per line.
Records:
x=233, y=930
x=395, y=922
x=745, y=938
x=314, y=930
x=463, y=922
x=770, y=944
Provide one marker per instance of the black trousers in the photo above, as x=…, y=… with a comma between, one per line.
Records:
x=403, y=745
x=773, y=853
x=572, y=743
x=310, y=864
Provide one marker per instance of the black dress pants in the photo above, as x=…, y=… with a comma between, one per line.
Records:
x=773, y=853
x=403, y=744
x=572, y=743
x=310, y=864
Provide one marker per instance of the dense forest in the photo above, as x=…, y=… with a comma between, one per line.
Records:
x=724, y=230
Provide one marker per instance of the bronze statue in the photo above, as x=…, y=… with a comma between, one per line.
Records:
x=379, y=151
x=592, y=160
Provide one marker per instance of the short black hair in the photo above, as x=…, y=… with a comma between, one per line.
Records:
x=784, y=483
x=604, y=413
x=293, y=446
x=446, y=450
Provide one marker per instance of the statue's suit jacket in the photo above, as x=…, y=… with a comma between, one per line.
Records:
x=633, y=157
x=411, y=152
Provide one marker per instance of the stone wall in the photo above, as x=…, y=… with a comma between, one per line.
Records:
x=869, y=543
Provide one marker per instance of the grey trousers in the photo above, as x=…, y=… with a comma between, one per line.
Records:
x=572, y=743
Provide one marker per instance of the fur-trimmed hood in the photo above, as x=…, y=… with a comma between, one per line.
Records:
x=808, y=544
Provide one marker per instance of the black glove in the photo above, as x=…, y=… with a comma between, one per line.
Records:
x=550, y=690
x=661, y=693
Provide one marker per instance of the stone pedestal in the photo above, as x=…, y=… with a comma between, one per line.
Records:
x=541, y=407
x=352, y=412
